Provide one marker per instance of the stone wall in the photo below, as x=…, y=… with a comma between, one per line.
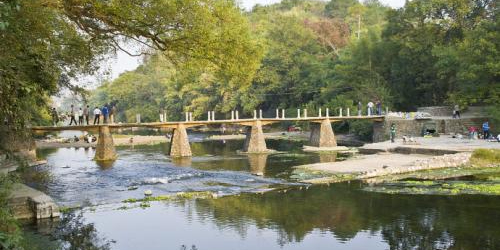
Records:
x=415, y=128
x=437, y=110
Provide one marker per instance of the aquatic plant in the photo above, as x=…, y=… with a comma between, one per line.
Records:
x=485, y=157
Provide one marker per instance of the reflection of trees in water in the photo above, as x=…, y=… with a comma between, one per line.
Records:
x=76, y=234
x=405, y=221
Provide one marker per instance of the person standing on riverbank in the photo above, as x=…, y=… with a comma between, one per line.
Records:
x=55, y=117
x=72, y=116
x=97, y=115
x=393, y=133
x=86, y=114
x=486, y=130
x=370, y=108
x=105, y=113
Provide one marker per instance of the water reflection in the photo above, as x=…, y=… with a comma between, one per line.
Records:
x=257, y=163
x=405, y=222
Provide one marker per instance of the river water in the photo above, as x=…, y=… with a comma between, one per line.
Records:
x=291, y=216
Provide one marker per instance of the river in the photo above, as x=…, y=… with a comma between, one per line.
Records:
x=245, y=214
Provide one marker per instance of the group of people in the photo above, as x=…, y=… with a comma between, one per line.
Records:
x=370, y=108
x=107, y=112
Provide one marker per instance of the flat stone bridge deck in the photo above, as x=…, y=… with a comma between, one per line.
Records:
x=322, y=134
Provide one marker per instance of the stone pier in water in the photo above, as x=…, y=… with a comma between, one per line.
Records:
x=105, y=148
x=322, y=134
x=179, y=145
x=255, y=141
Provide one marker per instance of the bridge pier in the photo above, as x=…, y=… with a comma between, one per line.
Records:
x=322, y=134
x=105, y=148
x=254, y=141
x=179, y=145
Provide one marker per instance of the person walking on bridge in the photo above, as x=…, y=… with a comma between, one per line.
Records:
x=55, y=117
x=379, y=107
x=72, y=116
x=97, y=115
x=112, y=114
x=370, y=108
x=105, y=113
x=86, y=114
x=80, y=116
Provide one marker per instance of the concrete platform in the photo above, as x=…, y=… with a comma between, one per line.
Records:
x=430, y=146
x=29, y=203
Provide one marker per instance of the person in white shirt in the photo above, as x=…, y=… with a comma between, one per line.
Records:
x=97, y=115
x=80, y=116
x=370, y=108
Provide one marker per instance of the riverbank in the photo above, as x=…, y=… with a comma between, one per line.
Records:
x=397, y=158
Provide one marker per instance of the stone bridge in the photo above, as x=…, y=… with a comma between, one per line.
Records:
x=322, y=134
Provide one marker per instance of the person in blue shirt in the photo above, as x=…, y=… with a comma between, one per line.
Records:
x=486, y=130
x=105, y=113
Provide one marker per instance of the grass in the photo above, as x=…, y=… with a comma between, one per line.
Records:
x=485, y=157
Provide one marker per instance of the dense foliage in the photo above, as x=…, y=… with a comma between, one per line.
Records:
x=333, y=54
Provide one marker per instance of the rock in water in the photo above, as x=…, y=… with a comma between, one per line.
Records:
x=148, y=192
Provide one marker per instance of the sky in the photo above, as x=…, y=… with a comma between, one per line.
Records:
x=124, y=62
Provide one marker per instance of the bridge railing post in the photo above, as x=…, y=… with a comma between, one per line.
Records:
x=232, y=115
x=319, y=113
x=260, y=113
x=305, y=113
x=348, y=112
x=298, y=113
x=277, y=114
x=208, y=116
x=255, y=114
x=213, y=115
x=327, y=112
x=282, y=113
x=340, y=112
x=237, y=115
x=191, y=116
x=138, y=118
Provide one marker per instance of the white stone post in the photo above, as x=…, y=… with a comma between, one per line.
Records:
x=277, y=113
x=340, y=112
x=138, y=118
x=213, y=115
x=305, y=113
x=327, y=112
x=165, y=116
x=255, y=114
x=298, y=113
x=348, y=112
x=232, y=115
x=319, y=113
x=260, y=113
x=386, y=110
x=208, y=113
x=282, y=113
x=161, y=117
x=187, y=116
x=191, y=116
x=237, y=115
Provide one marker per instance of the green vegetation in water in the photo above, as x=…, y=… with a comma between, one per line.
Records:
x=437, y=187
x=304, y=174
x=180, y=195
